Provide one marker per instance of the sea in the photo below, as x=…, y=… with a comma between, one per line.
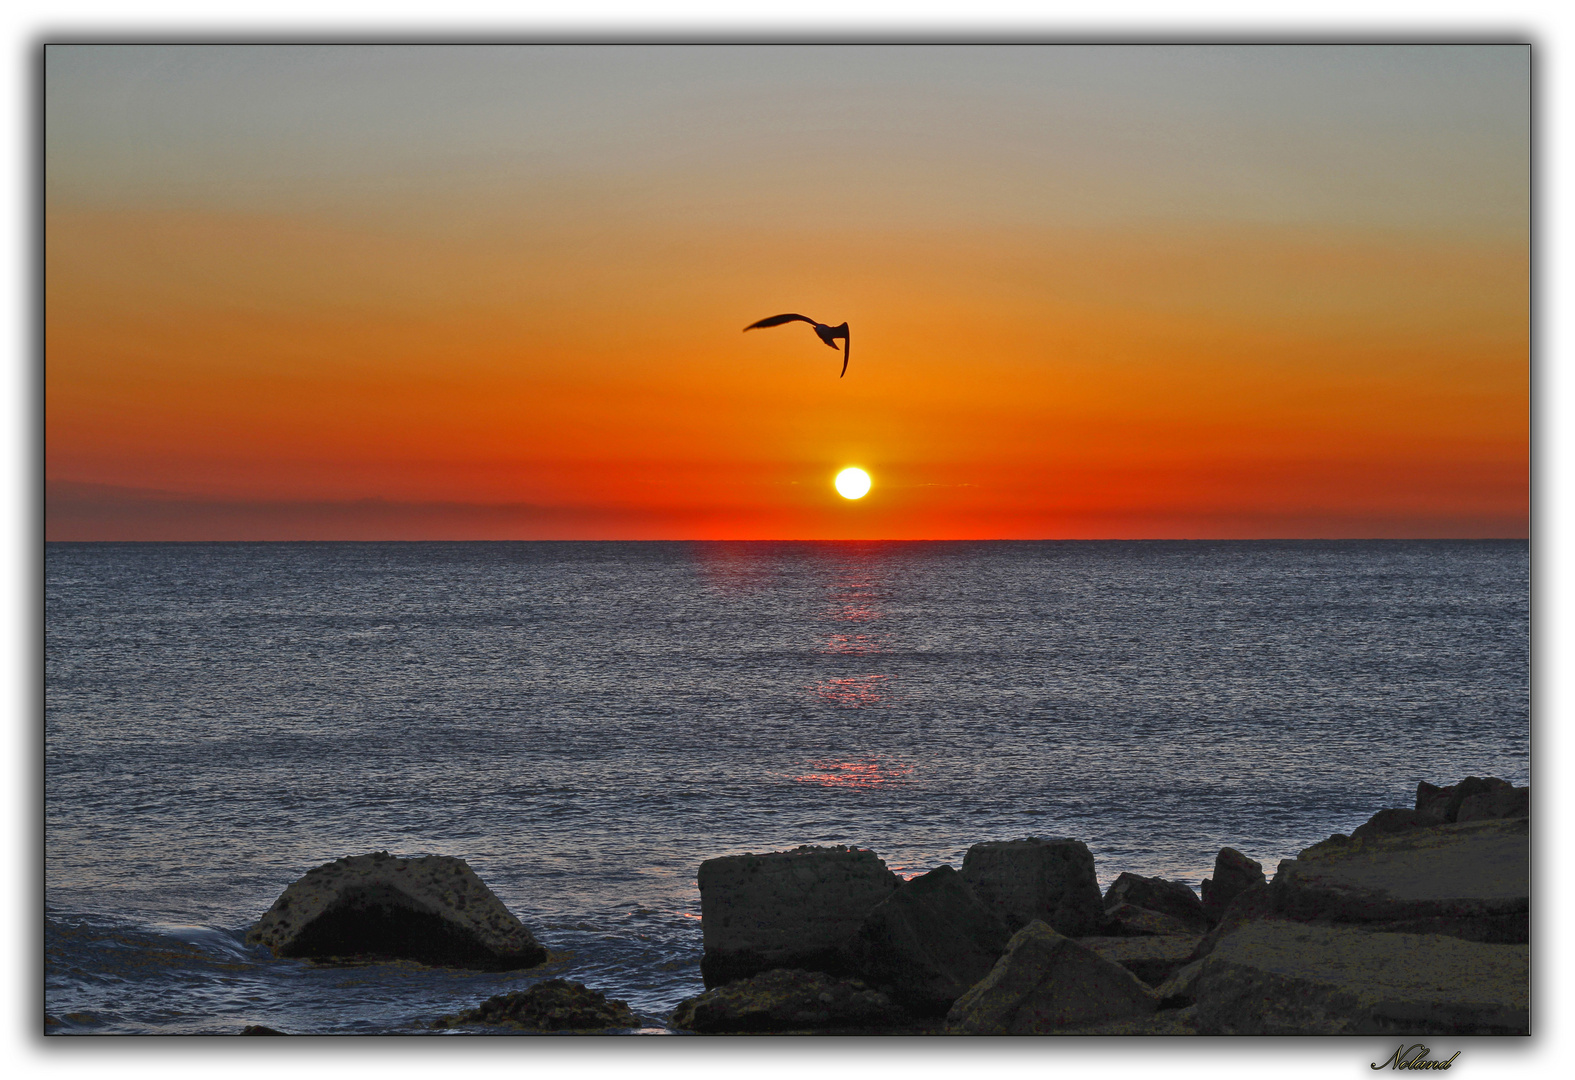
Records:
x=585, y=723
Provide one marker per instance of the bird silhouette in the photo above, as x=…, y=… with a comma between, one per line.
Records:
x=827, y=334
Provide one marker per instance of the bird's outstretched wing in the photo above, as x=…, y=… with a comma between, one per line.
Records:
x=778, y=320
x=847, y=347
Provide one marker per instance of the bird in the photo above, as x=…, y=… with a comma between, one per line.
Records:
x=827, y=334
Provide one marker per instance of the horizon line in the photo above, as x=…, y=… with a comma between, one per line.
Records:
x=882, y=540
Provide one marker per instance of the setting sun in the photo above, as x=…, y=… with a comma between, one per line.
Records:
x=853, y=483
x=379, y=378
x=544, y=339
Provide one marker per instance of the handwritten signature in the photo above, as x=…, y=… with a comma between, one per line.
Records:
x=1415, y=1057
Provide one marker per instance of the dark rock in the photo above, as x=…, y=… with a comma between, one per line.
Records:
x=1035, y=878
x=787, y=909
x=1444, y=803
x=1234, y=874
x=1505, y=929
x=1467, y=881
x=259, y=1029
x=1151, y=959
x=1129, y=920
x=1394, y=821
x=1507, y=802
x=1286, y=978
x=1472, y=874
x=554, y=1005
x=928, y=942
x=1172, y=898
x=1046, y=982
x=434, y=910
x=1432, y=800
x=1250, y=905
x=783, y=1000
x=1471, y=785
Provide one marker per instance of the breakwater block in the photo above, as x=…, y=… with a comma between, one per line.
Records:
x=787, y=909
x=1507, y=802
x=1129, y=920
x=1273, y=977
x=1445, y=803
x=789, y=1000
x=554, y=1005
x=1035, y=878
x=1046, y=982
x=1151, y=959
x=1234, y=874
x=1173, y=898
x=928, y=942
x=1470, y=879
x=434, y=910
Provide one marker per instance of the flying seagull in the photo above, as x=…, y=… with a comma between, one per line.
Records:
x=827, y=334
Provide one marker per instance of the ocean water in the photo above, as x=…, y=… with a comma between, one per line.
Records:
x=585, y=723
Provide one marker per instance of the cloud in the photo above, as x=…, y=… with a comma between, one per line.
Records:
x=79, y=511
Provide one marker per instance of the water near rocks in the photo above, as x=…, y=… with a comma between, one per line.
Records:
x=585, y=723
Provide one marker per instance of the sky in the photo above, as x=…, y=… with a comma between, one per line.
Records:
x=497, y=292
x=1414, y=157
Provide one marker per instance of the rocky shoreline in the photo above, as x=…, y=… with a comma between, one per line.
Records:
x=1417, y=923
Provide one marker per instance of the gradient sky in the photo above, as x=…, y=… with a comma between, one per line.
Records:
x=420, y=292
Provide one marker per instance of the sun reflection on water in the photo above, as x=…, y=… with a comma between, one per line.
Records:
x=853, y=691
x=853, y=598
x=852, y=644
x=854, y=774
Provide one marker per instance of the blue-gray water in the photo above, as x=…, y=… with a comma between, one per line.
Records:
x=585, y=723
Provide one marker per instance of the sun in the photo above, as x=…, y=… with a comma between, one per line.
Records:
x=853, y=483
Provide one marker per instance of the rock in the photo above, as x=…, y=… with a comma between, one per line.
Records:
x=259, y=1029
x=928, y=942
x=1151, y=959
x=783, y=1000
x=1171, y=898
x=1338, y=841
x=1046, y=982
x=1509, y=802
x=1286, y=978
x=1129, y=920
x=1250, y=905
x=1471, y=785
x=554, y=1005
x=1444, y=803
x=1394, y=821
x=1049, y=880
x=787, y=909
x=1467, y=879
x=434, y=910
x=1164, y=1022
x=1432, y=801
x=1234, y=874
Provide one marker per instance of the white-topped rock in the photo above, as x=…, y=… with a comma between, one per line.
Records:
x=434, y=910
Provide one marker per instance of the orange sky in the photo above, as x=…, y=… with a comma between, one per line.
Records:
x=275, y=318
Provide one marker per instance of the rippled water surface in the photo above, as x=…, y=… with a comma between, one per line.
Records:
x=584, y=723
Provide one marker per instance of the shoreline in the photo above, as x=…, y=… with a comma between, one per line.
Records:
x=1137, y=938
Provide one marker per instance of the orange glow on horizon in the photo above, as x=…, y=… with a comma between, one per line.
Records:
x=234, y=376
x=498, y=292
